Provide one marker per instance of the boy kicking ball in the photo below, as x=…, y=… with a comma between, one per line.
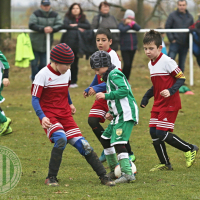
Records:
x=123, y=113
x=166, y=78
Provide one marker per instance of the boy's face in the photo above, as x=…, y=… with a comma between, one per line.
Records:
x=100, y=71
x=152, y=51
x=102, y=42
x=62, y=68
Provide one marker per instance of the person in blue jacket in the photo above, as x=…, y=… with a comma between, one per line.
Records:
x=128, y=41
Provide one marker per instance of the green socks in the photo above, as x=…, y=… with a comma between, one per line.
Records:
x=125, y=166
x=112, y=161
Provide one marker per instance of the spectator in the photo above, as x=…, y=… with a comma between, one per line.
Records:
x=195, y=30
x=74, y=21
x=128, y=41
x=105, y=20
x=179, y=42
x=43, y=20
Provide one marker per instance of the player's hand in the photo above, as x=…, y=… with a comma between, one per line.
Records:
x=46, y=122
x=109, y=116
x=100, y=95
x=6, y=82
x=165, y=93
x=73, y=109
x=85, y=94
x=143, y=106
x=48, y=29
x=91, y=92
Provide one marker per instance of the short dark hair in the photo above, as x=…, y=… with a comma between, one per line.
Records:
x=181, y=1
x=105, y=31
x=103, y=3
x=152, y=36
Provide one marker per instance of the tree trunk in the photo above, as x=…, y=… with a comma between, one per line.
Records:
x=140, y=21
x=5, y=21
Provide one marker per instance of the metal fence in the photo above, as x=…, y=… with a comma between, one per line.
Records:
x=117, y=31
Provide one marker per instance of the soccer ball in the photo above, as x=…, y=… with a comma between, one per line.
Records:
x=118, y=172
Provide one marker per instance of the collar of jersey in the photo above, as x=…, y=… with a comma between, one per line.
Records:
x=157, y=59
x=52, y=70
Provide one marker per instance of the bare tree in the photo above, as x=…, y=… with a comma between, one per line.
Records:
x=5, y=20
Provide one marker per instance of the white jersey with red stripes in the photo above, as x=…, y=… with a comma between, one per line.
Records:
x=115, y=60
x=163, y=71
x=52, y=89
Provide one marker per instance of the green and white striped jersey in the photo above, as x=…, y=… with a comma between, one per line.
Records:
x=120, y=99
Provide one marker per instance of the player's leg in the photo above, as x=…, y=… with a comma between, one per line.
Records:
x=9, y=129
x=97, y=116
x=4, y=122
x=59, y=139
x=84, y=148
x=159, y=145
x=163, y=131
x=130, y=153
x=120, y=136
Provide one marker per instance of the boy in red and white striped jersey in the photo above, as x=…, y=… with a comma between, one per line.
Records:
x=52, y=104
x=166, y=78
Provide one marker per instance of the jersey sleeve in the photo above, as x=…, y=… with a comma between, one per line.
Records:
x=4, y=61
x=115, y=60
x=38, y=85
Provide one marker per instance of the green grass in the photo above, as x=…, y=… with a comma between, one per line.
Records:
x=77, y=180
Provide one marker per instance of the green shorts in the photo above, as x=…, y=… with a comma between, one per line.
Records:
x=118, y=133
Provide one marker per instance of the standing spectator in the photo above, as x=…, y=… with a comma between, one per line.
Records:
x=179, y=42
x=43, y=21
x=128, y=41
x=105, y=20
x=74, y=21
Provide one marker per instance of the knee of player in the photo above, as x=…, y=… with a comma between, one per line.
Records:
x=83, y=146
x=93, y=121
x=161, y=134
x=61, y=143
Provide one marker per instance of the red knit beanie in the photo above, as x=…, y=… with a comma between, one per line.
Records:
x=62, y=54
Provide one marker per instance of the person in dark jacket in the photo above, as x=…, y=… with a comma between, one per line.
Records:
x=105, y=20
x=74, y=21
x=128, y=41
x=43, y=21
x=179, y=42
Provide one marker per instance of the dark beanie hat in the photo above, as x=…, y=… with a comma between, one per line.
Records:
x=62, y=54
x=100, y=59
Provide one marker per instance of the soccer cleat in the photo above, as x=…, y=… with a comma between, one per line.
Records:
x=161, y=167
x=112, y=175
x=102, y=158
x=8, y=131
x=132, y=157
x=106, y=180
x=4, y=126
x=126, y=178
x=51, y=181
x=190, y=156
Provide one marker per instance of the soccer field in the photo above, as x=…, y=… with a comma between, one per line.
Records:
x=76, y=178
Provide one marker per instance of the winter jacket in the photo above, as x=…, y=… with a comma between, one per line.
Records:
x=71, y=36
x=107, y=21
x=37, y=22
x=24, y=53
x=178, y=20
x=128, y=41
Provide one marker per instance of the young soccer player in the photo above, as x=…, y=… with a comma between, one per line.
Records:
x=123, y=113
x=100, y=108
x=4, y=81
x=166, y=78
x=52, y=104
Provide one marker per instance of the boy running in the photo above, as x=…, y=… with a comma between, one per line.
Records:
x=52, y=104
x=100, y=108
x=123, y=113
x=166, y=78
